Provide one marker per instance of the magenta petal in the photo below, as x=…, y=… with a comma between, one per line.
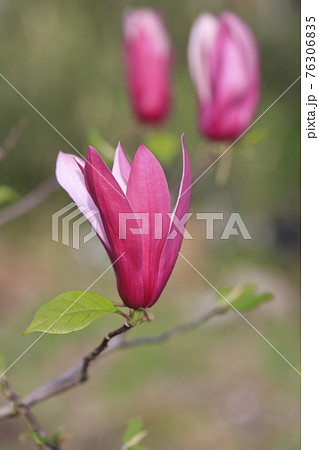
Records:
x=201, y=45
x=70, y=177
x=147, y=192
x=111, y=202
x=172, y=246
x=121, y=168
x=242, y=34
x=235, y=79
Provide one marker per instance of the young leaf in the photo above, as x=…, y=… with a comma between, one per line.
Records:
x=133, y=443
x=134, y=426
x=33, y=435
x=243, y=297
x=38, y=439
x=134, y=434
x=55, y=440
x=70, y=312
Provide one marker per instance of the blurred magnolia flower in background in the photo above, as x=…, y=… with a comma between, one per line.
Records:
x=148, y=60
x=143, y=260
x=223, y=61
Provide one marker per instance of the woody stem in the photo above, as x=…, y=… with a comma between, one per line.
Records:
x=99, y=349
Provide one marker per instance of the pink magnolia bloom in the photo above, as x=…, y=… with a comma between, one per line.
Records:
x=143, y=261
x=223, y=62
x=148, y=61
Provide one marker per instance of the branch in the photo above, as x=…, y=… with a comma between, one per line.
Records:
x=25, y=411
x=30, y=201
x=75, y=376
x=11, y=140
x=200, y=320
x=87, y=360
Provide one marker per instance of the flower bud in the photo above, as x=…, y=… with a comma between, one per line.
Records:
x=148, y=62
x=223, y=60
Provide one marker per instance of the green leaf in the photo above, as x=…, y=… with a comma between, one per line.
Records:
x=56, y=439
x=70, y=312
x=38, y=439
x=134, y=426
x=134, y=434
x=243, y=297
x=8, y=195
x=33, y=435
x=164, y=145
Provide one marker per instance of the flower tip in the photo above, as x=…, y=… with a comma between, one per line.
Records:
x=60, y=154
x=62, y=158
x=118, y=149
x=142, y=148
x=143, y=152
x=91, y=151
x=183, y=141
x=146, y=155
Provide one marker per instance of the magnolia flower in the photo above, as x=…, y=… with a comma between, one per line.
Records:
x=223, y=62
x=148, y=61
x=143, y=257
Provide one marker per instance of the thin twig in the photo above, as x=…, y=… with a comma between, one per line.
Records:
x=28, y=202
x=25, y=411
x=87, y=360
x=158, y=339
x=74, y=376
x=11, y=140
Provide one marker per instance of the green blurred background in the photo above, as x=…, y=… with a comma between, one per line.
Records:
x=221, y=387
